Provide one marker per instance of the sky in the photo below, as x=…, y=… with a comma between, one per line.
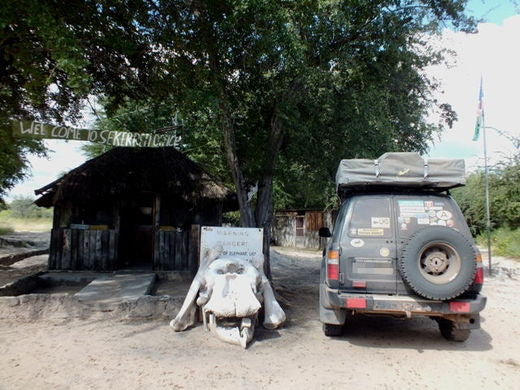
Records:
x=492, y=54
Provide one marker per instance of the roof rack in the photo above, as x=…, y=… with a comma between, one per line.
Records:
x=400, y=171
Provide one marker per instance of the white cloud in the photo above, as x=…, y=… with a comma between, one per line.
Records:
x=63, y=156
x=493, y=53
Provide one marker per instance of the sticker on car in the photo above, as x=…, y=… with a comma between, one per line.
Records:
x=370, y=232
x=381, y=222
x=357, y=242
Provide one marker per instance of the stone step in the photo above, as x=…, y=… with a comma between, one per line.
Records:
x=108, y=290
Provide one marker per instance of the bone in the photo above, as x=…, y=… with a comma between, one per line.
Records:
x=186, y=316
x=230, y=290
x=232, y=295
x=234, y=335
x=274, y=316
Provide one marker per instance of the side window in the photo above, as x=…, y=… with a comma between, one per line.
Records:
x=371, y=217
x=414, y=214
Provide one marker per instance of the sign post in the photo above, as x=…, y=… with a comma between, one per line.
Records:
x=41, y=130
x=243, y=243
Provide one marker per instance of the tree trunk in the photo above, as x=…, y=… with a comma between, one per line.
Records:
x=247, y=218
x=263, y=215
x=264, y=203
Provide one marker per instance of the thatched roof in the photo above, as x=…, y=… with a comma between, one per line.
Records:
x=123, y=171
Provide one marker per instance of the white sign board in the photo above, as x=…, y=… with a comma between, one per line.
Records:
x=243, y=243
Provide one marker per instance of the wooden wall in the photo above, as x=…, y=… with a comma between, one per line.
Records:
x=171, y=250
x=79, y=249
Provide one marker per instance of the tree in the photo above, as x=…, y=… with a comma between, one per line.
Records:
x=280, y=89
x=24, y=207
x=52, y=55
x=504, y=193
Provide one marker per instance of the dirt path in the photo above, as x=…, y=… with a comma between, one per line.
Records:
x=374, y=353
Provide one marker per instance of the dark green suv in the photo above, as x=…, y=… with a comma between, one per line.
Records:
x=402, y=250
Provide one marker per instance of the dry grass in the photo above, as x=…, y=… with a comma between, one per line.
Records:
x=9, y=225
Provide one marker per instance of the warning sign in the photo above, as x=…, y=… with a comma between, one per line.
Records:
x=243, y=243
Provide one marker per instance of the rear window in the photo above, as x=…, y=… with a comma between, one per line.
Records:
x=418, y=213
x=370, y=218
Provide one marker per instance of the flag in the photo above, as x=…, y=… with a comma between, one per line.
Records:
x=480, y=113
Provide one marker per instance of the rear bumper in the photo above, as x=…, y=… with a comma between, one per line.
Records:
x=395, y=304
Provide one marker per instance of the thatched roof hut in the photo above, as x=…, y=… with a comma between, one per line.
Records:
x=132, y=207
x=125, y=170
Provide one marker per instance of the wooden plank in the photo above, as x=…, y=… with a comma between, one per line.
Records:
x=162, y=249
x=156, y=260
x=52, y=251
x=105, y=237
x=169, y=250
x=158, y=235
x=79, y=250
x=112, y=249
x=99, y=249
x=59, y=247
x=178, y=251
x=167, y=255
x=86, y=250
x=66, y=252
x=73, y=248
x=194, y=248
x=185, y=254
x=92, y=249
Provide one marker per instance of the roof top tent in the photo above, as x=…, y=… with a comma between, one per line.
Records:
x=400, y=171
x=132, y=208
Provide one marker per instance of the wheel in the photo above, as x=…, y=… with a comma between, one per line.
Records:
x=332, y=330
x=451, y=333
x=438, y=263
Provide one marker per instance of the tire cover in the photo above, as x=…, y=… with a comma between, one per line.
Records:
x=409, y=263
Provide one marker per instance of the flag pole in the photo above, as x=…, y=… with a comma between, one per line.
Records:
x=486, y=183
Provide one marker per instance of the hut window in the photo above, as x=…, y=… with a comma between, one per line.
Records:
x=300, y=225
x=92, y=215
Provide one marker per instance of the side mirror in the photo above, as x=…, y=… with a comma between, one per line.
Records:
x=324, y=232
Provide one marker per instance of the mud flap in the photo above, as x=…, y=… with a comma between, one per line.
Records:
x=335, y=317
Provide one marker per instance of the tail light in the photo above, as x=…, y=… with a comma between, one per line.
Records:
x=479, y=276
x=333, y=265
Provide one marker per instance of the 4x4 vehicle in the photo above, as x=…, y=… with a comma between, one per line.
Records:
x=401, y=246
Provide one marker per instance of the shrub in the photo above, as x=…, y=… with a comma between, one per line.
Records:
x=504, y=242
x=24, y=207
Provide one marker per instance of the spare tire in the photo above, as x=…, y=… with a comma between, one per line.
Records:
x=438, y=263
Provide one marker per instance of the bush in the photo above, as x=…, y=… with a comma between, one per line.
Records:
x=24, y=207
x=504, y=242
x=6, y=230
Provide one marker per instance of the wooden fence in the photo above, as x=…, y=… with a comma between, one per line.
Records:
x=79, y=249
x=171, y=250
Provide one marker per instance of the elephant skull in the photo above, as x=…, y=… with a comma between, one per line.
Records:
x=230, y=292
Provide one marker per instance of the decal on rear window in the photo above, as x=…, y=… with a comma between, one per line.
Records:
x=370, y=218
x=371, y=232
x=381, y=222
x=413, y=214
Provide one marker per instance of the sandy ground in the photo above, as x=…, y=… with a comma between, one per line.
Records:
x=374, y=352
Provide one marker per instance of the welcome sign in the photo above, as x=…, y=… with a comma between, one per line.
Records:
x=105, y=137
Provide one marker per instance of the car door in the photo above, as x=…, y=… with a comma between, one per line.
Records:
x=368, y=249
